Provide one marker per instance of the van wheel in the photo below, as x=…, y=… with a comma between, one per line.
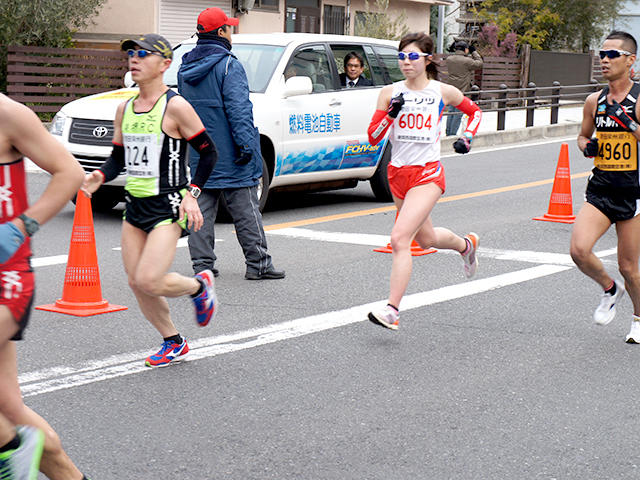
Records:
x=263, y=192
x=105, y=199
x=380, y=182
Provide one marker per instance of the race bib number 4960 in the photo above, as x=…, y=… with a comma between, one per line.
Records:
x=141, y=154
x=617, y=152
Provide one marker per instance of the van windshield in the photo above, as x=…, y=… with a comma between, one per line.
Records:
x=259, y=61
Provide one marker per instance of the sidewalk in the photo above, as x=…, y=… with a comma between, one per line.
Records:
x=569, y=120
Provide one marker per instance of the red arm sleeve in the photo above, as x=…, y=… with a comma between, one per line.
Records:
x=378, y=127
x=475, y=115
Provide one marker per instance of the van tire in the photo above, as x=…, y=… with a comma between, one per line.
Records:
x=380, y=182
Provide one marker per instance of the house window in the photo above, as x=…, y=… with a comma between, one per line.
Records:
x=334, y=19
x=267, y=5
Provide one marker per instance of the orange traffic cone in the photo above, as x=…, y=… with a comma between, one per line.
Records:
x=416, y=251
x=561, y=203
x=82, y=293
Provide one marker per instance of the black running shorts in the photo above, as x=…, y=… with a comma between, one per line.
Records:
x=615, y=205
x=147, y=213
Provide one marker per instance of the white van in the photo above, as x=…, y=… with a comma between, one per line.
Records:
x=313, y=132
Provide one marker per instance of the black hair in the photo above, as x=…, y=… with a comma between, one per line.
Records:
x=424, y=43
x=460, y=45
x=352, y=55
x=629, y=42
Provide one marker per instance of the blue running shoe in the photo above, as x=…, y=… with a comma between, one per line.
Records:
x=169, y=352
x=23, y=463
x=205, y=302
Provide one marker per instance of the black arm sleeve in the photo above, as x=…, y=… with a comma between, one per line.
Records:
x=203, y=144
x=112, y=167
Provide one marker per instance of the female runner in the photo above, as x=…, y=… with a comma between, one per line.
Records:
x=413, y=109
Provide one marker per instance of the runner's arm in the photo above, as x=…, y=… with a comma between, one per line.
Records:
x=588, y=123
x=112, y=167
x=28, y=136
x=380, y=122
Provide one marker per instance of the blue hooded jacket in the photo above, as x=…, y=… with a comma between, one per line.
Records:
x=213, y=80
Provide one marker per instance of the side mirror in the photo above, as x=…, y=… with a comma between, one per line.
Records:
x=297, y=86
x=128, y=80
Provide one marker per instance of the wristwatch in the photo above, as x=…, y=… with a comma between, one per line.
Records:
x=31, y=225
x=194, y=191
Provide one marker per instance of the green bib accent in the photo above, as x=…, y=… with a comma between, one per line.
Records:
x=143, y=140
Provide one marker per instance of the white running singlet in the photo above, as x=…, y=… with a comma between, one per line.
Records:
x=415, y=134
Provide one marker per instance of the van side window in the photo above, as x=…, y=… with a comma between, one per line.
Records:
x=389, y=56
x=341, y=51
x=376, y=69
x=312, y=62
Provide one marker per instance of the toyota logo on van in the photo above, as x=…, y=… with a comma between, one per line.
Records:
x=100, y=132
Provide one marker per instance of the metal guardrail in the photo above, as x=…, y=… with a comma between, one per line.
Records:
x=508, y=99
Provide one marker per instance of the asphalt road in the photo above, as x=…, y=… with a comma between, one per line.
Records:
x=501, y=377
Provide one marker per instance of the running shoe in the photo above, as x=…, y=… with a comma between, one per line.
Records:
x=386, y=317
x=607, y=308
x=169, y=352
x=23, y=463
x=470, y=259
x=205, y=302
x=634, y=334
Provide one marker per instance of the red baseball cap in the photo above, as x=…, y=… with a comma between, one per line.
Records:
x=213, y=18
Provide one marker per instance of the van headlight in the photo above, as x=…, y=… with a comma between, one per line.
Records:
x=57, y=124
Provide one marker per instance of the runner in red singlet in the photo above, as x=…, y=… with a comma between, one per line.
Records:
x=413, y=109
x=24, y=433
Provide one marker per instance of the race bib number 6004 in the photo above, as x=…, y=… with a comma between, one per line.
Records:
x=141, y=154
x=415, y=127
x=617, y=151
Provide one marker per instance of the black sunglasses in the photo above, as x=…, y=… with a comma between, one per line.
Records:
x=613, y=53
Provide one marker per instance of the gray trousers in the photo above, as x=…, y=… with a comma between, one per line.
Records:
x=243, y=207
x=453, y=120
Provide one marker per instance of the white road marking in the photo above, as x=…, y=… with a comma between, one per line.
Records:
x=60, y=378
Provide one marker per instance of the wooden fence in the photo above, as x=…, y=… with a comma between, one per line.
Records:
x=47, y=78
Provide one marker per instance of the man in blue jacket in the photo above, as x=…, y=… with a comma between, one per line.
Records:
x=212, y=79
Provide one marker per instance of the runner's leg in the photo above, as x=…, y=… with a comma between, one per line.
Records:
x=146, y=260
x=413, y=214
x=55, y=463
x=589, y=226
x=628, y=255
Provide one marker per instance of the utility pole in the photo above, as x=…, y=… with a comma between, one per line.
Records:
x=440, y=47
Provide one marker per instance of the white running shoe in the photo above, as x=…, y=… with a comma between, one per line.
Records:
x=386, y=317
x=634, y=334
x=606, y=311
x=470, y=258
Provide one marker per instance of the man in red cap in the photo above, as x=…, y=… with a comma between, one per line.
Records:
x=212, y=79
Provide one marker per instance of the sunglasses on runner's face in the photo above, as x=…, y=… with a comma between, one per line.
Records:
x=613, y=53
x=413, y=56
x=141, y=53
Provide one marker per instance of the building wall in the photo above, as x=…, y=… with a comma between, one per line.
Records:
x=262, y=21
x=142, y=17
x=126, y=17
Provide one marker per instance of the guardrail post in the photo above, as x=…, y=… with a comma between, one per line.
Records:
x=596, y=84
x=502, y=105
x=555, y=102
x=531, y=103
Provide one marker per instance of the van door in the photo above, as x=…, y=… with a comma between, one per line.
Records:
x=313, y=138
x=358, y=104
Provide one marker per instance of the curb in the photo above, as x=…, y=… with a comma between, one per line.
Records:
x=519, y=135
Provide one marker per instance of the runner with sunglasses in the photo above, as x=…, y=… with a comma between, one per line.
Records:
x=412, y=110
x=613, y=189
x=151, y=132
